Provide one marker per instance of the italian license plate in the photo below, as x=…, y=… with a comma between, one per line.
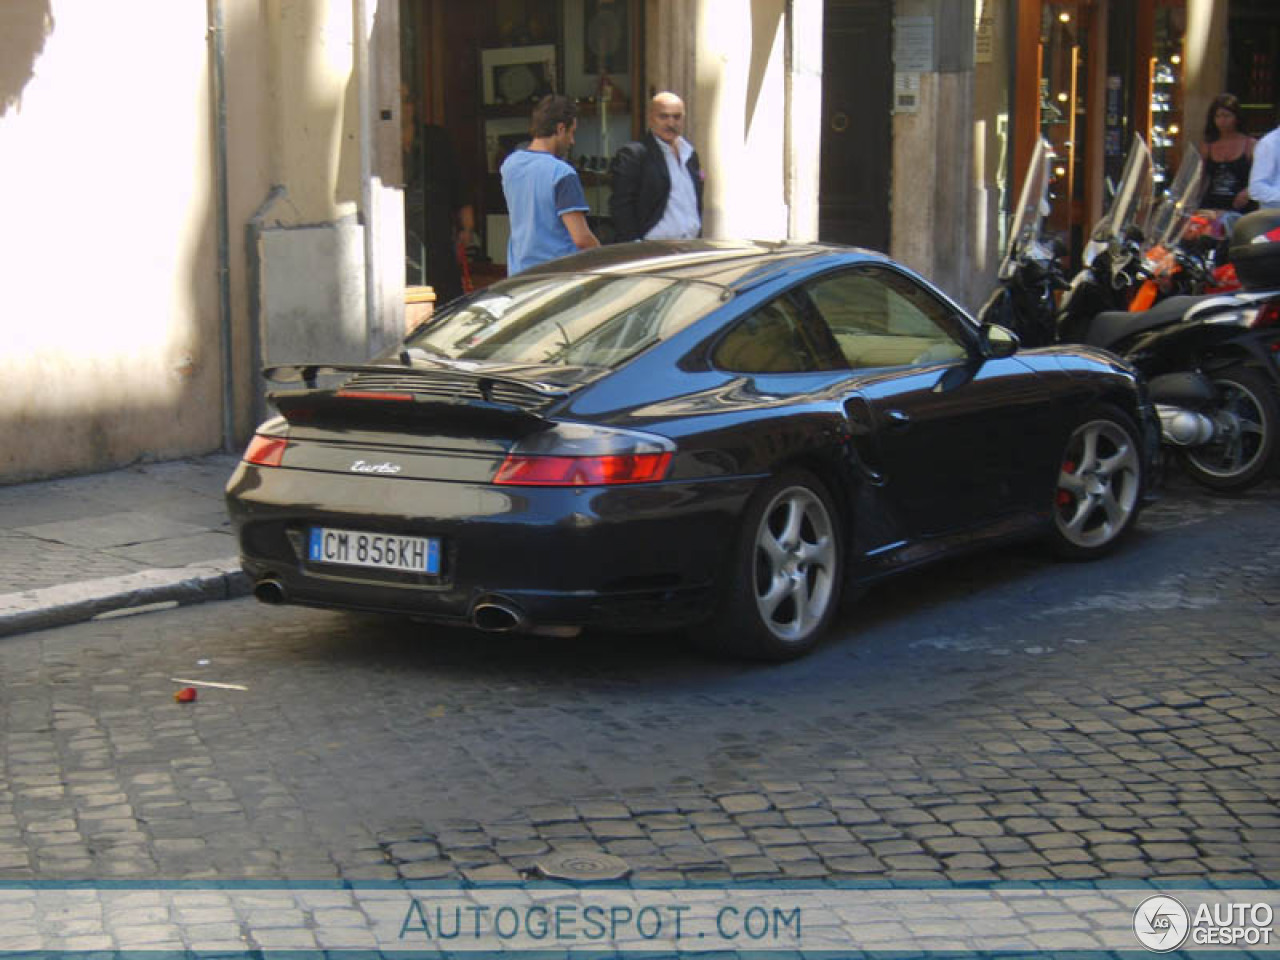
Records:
x=381, y=550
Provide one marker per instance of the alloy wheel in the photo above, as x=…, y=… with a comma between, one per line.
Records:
x=1098, y=485
x=795, y=561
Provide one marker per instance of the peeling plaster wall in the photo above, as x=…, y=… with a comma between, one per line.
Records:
x=311, y=260
x=109, y=303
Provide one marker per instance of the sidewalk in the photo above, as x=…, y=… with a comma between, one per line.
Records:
x=144, y=537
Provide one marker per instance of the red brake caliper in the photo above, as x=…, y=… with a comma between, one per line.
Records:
x=1065, y=498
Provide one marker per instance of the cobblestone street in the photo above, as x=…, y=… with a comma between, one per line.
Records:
x=997, y=718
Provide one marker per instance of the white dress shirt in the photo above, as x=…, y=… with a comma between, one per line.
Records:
x=680, y=220
x=1264, y=178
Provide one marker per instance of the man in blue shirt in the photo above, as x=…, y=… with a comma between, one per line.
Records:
x=544, y=195
x=1264, y=180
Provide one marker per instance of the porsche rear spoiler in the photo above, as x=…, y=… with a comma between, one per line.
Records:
x=386, y=391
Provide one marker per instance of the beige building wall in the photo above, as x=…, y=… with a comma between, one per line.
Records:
x=128, y=254
x=109, y=303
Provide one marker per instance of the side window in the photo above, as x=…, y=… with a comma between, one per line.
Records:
x=881, y=318
x=778, y=338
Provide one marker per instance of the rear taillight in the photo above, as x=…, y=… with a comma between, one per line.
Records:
x=1268, y=315
x=550, y=471
x=265, y=451
x=579, y=455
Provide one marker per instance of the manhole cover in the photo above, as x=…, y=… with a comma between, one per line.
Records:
x=582, y=866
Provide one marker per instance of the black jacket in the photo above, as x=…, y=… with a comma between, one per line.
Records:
x=641, y=186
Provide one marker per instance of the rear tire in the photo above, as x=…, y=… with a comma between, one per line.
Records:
x=785, y=574
x=1100, y=484
x=1250, y=414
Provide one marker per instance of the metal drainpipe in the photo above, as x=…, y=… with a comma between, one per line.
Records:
x=221, y=204
x=373, y=332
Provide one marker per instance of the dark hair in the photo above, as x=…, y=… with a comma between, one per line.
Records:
x=1223, y=101
x=551, y=111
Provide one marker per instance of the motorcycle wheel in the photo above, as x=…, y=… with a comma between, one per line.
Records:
x=1249, y=415
x=1100, y=483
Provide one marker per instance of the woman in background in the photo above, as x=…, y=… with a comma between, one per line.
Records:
x=1228, y=157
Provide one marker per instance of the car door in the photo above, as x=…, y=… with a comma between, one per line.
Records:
x=949, y=426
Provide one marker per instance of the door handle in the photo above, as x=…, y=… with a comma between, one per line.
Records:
x=898, y=419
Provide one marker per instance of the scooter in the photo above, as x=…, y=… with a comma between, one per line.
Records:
x=1210, y=361
x=1031, y=272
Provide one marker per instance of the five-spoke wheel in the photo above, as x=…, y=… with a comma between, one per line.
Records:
x=787, y=568
x=1099, y=485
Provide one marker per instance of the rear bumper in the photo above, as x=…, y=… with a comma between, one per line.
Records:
x=641, y=557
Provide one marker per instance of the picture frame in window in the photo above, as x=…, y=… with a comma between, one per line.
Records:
x=501, y=136
x=518, y=75
x=597, y=36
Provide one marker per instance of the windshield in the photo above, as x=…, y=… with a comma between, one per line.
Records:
x=570, y=320
x=1131, y=205
x=1170, y=217
x=1033, y=204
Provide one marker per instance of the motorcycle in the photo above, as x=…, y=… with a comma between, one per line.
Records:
x=1113, y=257
x=1210, y=361
x=1030, y=275
x=1172, y=263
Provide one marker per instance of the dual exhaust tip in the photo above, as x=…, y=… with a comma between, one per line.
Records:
x=498, y=615
x=269, y=591
x=492, y=614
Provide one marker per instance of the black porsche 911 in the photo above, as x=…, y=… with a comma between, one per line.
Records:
x=660, y=435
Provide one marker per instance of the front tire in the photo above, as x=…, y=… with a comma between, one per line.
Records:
x=1248, y=416
x=785, y=575
x=1100, y=484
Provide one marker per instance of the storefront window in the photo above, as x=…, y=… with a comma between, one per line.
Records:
x=1062, y=53
x=472, y=73
x=1168, y=136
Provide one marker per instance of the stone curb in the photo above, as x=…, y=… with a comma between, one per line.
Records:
x=76, y=602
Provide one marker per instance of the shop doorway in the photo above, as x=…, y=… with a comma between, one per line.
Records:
x=471, y=74
x=857, y=144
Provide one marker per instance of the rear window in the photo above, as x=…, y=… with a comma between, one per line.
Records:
x=566, y=319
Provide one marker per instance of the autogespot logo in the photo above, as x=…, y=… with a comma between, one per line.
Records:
x=1161, y=923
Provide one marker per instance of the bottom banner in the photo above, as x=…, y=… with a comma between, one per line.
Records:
x=400, y=919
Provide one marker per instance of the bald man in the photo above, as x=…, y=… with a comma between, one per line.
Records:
x=657, y=181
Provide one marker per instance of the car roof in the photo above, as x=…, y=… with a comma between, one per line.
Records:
x=735, y=264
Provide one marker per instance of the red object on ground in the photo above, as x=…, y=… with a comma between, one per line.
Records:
x=185, y=695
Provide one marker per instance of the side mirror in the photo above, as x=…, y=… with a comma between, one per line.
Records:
x=998, y=342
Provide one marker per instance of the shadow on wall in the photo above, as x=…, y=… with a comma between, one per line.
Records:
x=765, y=24
x=24, y=27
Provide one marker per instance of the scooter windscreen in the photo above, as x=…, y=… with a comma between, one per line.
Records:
x=1131, y=204
x=1169, y=219
x=1033, y=205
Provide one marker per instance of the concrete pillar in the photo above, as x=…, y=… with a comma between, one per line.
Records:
x=1204, y=63
x=742, y=117
x=750, y=73
x=803, y=146
x=669, y=51
x=933, y=183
